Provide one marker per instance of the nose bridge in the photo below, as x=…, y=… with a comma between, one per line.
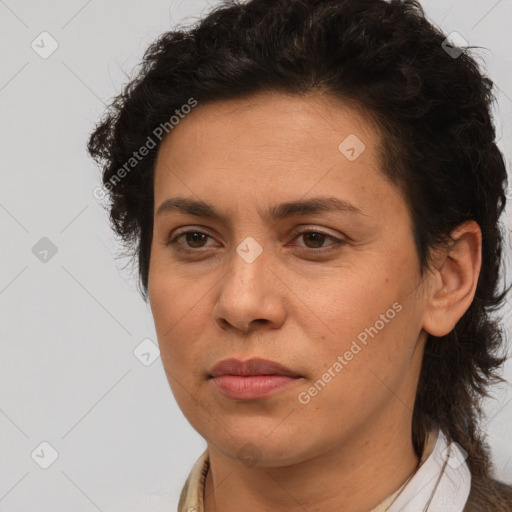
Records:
x=247, y=292
x=250, y=250
x=249, y=262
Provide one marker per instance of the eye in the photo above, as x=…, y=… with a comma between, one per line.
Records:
x=314, y=240
x=194, y=238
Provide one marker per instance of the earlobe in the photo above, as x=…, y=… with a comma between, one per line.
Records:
x=454, y=280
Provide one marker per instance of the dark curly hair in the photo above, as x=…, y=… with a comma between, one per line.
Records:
x=433, y=108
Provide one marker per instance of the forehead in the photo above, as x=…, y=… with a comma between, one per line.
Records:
x=275, y=116
x=269, y=131
x=275, y=146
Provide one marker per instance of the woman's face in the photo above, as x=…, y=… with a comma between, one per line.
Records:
x=331, y=293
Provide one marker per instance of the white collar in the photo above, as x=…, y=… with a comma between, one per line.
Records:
x=444, y=476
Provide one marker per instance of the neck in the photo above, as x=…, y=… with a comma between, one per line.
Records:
x=354, y=476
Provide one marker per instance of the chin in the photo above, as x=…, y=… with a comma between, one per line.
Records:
x=261, y=447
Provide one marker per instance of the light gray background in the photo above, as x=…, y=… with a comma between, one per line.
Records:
x=69, y=326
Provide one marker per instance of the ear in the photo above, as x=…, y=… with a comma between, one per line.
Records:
x=454, y=280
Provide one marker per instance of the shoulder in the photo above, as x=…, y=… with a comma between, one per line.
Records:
x=489, y=495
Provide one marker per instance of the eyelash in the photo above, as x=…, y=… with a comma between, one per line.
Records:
x=334, y=246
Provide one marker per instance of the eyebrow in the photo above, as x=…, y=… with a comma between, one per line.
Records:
x=280, y=211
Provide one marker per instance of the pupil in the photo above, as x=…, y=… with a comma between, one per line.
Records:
x=317, y=241
x=193, y=237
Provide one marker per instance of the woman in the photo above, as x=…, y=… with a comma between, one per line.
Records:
x=312, y=189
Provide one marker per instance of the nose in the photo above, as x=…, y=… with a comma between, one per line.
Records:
x=250, y=295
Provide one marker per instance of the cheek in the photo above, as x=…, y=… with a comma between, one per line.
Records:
x=355, y=300
x=372, y=334
x=353, y=380
x=167, y=295
x=178, y=308
x=168, y=305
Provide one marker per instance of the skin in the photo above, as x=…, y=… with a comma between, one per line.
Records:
x=350, y=446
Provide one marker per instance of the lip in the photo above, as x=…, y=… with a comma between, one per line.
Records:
x=254, y=366
x=252, y=379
